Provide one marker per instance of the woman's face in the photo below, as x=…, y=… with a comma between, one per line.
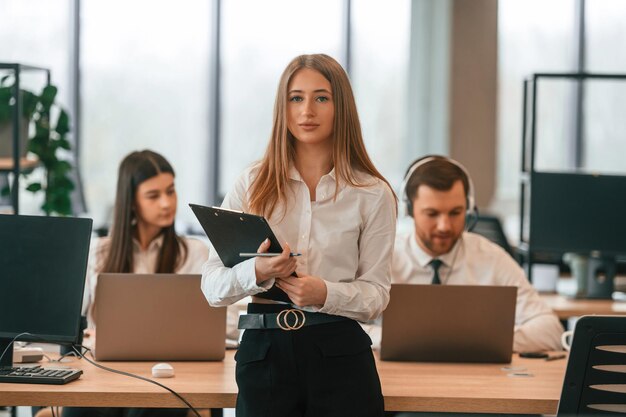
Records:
x=310, y=107
x=155, y=201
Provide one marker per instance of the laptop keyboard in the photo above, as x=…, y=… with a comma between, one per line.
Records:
x=38, y=375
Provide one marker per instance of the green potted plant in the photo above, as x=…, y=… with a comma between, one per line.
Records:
x=46, y=140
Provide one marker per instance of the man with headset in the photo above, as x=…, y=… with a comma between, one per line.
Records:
x=439, y=196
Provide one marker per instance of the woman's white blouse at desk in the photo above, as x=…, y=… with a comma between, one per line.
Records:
x=144, y=263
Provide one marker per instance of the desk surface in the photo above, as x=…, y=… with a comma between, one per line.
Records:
x=566, y=307
x=406, y=386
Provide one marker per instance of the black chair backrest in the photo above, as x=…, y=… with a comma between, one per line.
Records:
x=595, y=380
x=491, y=228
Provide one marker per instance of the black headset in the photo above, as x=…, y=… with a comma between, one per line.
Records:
x=471, y=213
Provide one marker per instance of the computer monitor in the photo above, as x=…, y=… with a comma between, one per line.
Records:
x=43, y=262
x=583, y=214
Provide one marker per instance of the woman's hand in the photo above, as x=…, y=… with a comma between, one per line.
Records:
x=279, y=266
x=304, y=291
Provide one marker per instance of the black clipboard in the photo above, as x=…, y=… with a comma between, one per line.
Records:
x=233, y=232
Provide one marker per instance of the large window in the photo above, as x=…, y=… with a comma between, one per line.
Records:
x=566, y=36
x=145, y=69
x=37, y=33
x=380, y=64
x=604, y=124
x=549, y=41
x=144, y=86
x=254, y=53
x=533, y=36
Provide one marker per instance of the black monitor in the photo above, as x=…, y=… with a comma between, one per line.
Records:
x=43, y=263
x=583, y=214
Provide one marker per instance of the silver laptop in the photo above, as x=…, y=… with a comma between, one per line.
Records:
x=156, y=317
x=449, y=323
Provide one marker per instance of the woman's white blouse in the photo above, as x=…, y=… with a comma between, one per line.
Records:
x=347, y=241
x=144, y=262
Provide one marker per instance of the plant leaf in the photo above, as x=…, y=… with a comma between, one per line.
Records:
x=64, y=144
x=34, y=187
x=47, y=208
x=5, y=107
x=42, y=129
x=6, y=191
x=64, y=183
x=63, y=123
x=29, y=103
x=47, y=97
x=61, y=167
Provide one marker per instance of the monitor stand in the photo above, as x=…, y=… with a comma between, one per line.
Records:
x=7, y=358
x=601, y=277
x=595, y=275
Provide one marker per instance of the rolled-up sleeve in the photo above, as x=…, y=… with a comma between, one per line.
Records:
x=536, y=325
x=222, y=285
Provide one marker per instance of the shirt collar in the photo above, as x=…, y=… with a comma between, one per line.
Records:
x=152, y=246
x=423, y=259
x=295, y=175
x=325, y=188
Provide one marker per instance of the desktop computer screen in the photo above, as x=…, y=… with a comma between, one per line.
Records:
x=43, y=262
x=580, y=213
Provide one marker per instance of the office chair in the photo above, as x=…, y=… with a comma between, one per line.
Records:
x=595, y=380
x=491, y=228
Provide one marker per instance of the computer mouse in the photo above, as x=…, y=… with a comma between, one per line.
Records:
x=162, y=370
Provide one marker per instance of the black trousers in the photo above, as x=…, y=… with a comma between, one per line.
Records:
x=325, y=370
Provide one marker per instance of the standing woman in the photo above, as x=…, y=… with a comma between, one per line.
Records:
x=320, y=192
x=143, y=240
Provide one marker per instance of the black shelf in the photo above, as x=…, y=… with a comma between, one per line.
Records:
x=530, y=248
x=17, y=69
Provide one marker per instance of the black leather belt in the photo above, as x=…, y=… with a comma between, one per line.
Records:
x=288, y=319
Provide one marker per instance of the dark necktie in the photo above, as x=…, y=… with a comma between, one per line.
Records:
x=436, y=263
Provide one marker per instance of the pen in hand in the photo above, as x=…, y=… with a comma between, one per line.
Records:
x=264, y=254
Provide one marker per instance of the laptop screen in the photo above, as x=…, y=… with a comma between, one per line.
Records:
x=449, y=323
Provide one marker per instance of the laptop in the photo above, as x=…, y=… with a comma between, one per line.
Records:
x=156, y=317
x=449, y=323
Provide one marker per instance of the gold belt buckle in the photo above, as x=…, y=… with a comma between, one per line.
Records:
x=282, y=319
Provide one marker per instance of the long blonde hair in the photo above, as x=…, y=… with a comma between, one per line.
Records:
x=269, y=188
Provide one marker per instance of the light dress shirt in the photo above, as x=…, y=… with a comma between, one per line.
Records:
x=475, y=260
x=144, y=262
x=347, y=241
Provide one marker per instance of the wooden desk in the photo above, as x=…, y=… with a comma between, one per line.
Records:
x=565, y=307
x=484, y=388
x=473, y=388
x=6, y=164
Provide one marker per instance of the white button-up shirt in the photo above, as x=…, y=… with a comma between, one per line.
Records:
x=347, y=241
x=475, y=260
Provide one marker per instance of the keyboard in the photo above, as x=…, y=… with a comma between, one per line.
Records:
x=38, y=375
